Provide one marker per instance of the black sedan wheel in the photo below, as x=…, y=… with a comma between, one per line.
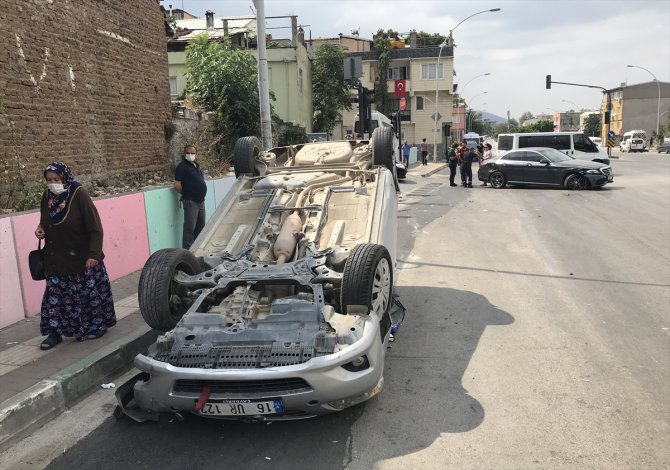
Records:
x=497, y=180
x=576, y=182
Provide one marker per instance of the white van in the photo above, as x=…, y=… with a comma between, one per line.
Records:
x=634, y=141
x=574, y=144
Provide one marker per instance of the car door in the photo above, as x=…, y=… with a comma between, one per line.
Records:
x=511, y=164
x=535, y=172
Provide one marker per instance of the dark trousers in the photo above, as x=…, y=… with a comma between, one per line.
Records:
x=424, y=157
x=466, y=174
x=194, y=221
x=452, y=172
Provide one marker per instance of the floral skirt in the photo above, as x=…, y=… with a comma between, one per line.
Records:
x=78, y=304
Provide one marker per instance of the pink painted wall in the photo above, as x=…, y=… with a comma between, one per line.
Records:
x=24, y=226
x=126, y=243
x=11, y=302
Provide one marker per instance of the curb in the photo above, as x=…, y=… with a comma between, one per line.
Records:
x=26, y=411
x=434, y=170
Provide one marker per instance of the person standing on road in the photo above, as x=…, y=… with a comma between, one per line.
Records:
x=486, y=156
x=424, y=151
x=78, y=299
x=452, y=160
x=190, y=183
x=469, y=156
x=406, y=149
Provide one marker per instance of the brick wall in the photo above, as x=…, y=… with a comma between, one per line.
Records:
x=82, y=81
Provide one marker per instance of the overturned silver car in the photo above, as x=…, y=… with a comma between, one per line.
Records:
x=284, y=307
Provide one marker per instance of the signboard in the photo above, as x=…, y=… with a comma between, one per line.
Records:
x=403, y=103
x=610, y=139
x=436, y=116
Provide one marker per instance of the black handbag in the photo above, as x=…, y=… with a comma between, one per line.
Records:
x=36, y=263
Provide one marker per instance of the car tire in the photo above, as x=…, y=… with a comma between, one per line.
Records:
x=367, y=279
x=497, y=180
x=156, y=287
x=576, y=182
x=244, y=155
x=382, y=147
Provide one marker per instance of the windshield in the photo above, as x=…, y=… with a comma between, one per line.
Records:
x=555, y=156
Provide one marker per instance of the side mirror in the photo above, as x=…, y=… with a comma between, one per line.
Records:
x=544, y=161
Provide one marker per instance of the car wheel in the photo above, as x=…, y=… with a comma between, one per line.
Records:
x=497, y=180
x=158, y=293
x=367, y=279
x=244, y=155
x=576, y=182
x=382, y=147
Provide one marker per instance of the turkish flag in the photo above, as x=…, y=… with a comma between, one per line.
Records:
x=399, y=88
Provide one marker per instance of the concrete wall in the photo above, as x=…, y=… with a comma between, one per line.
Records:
x=135, y=226
x=71, y=90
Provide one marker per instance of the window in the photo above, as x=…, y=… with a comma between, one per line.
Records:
x=533, y=157
x=397, y=73
x=428, y=71
x=514, y=156
x=583, y=144
x=456, y=118
x=419, y=103
x=505, y=142
x=173, y=86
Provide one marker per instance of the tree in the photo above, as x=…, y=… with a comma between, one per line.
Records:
x=330, y=91
x=427, y=40
x=592, y=125
x=225, y=80
x=525, y=116
x=382, y=45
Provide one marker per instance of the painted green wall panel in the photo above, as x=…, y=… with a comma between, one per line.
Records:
x=165, y=218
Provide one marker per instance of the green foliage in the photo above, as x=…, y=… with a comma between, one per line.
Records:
x=382, y=45
x=330, y=91
x=592, y=125
x=525, y=116
x=540, y=126
x=290, y=134
x=224, y=79
x=31, y=196
x=429, y=40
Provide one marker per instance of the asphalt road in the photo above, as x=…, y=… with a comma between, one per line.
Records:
x=536, y=337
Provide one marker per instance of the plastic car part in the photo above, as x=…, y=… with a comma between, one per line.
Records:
x=244, y=155
x=497, y=180
x=160, y=302
x=367, y=279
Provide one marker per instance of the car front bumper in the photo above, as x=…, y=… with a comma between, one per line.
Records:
x=597, y=181
x=324, y=385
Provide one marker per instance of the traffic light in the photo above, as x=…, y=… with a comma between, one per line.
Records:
x=607, y=117
x=548, y=82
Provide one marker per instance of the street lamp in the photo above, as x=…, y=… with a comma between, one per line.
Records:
x=450, y=42
x=464, y=86
x=572, y=103
x=658, y=106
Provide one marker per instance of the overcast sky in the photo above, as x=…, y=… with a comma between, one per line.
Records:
x=585, y=41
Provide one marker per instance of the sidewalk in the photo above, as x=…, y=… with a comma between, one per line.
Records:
x=36, y=385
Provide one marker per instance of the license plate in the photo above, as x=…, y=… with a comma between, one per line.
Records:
x=242, y=407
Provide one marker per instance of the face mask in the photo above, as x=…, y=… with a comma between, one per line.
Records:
x=56, y=188
x=190, y=157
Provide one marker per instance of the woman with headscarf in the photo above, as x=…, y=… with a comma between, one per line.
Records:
x=78, y=300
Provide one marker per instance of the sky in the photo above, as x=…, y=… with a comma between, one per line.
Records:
x=586, y=41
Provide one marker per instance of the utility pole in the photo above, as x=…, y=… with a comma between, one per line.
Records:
x=263, y=84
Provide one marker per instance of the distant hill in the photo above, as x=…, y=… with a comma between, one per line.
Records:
x=493, y=117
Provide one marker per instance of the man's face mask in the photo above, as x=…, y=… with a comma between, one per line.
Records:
x=190, y=157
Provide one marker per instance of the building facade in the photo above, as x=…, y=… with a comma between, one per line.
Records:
x=425, y=77
x=289, y=67
x=637, y=107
